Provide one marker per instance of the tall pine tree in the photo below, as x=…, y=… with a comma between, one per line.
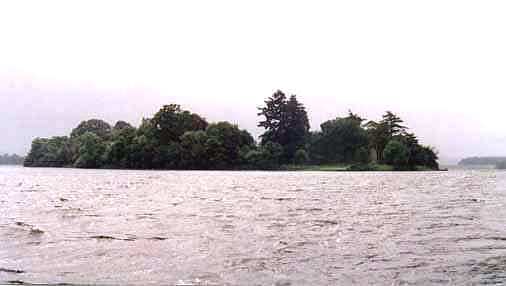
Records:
x=286, y=123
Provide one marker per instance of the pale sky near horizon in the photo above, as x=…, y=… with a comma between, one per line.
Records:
x=440, y=65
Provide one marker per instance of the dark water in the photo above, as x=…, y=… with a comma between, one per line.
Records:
x=252, y=228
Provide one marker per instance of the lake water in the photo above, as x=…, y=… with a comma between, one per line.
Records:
x=252, y=228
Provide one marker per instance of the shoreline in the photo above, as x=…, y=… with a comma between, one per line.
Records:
x=283, y=168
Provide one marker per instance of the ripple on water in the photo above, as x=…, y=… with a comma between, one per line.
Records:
x=252, y=228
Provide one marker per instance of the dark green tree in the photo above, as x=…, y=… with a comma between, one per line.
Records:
x=194, y=152
x=142, y=151
x=393, y=124
x=396, y=154
x=267, y=157
x=119, y=149
x=224, y=145
x=286, y=124
x=50, y=152
x=99, y=127
x=301, y=157
x=342, y=140
x=170, y=123
x=91, y=151
x=120, y=125
x=381, y=133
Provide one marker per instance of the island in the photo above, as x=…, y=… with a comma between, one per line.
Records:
x=490, y=162
x=177, y=139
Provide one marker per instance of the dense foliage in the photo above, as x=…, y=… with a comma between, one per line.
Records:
x=286, y=123
x=179, y=139
x=341, y=140
x=13, y=159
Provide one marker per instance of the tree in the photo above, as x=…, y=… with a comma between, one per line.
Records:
x=91, y=151
x=396, y=154
x=225, y=143
x=49, y=152
x=119, y=148
x=99, y=127
x=286, y=123
x=142, y=150
x=393, y=125
x=194, y=152
x=426, y=156
x=267, y=157
x=120, y=125
x=342, y=140
x=381, y=133
x=378, y=138
x=301, y=157
x=170, y=123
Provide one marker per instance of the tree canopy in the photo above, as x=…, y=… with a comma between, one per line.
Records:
x=174, y=138
x=342, y=140
x=286, y=123
x=97, y=126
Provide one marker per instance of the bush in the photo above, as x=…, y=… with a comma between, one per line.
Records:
x=301, y=157
x=267, y=157
x=396, y=154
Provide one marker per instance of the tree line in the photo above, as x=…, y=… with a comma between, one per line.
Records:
x=174, y=138
x=11, y=159
x=498, y=162
x=482, y=161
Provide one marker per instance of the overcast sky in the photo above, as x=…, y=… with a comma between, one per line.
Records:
x=440, y=65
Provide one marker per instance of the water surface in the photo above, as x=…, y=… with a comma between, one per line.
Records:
x=252, y=228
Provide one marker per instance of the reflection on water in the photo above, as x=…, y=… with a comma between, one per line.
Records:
x=252, y=228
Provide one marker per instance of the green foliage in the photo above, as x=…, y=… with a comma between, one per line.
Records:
x=393, y=124
x=221, y=146
x=396, y=154
x=99, y=127
x=361, y=167
x=225, y=143
x=267, y=157
x=370, y=167
x=286, y=124
x=171, y=122
x=49, y=152
x=194, y=150
x=120, y=147
x=381, y=133
x=178, y=139
x=121, y=125
x=342, y=140
x=378, y=137
x=91, y=151
x=301, y=157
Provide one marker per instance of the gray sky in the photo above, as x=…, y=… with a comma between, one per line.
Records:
x=441, y=65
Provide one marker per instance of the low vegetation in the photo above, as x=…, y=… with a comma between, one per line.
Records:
x=11, y=159
x=501, y=165
x=482, y=161
x=174, y=138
